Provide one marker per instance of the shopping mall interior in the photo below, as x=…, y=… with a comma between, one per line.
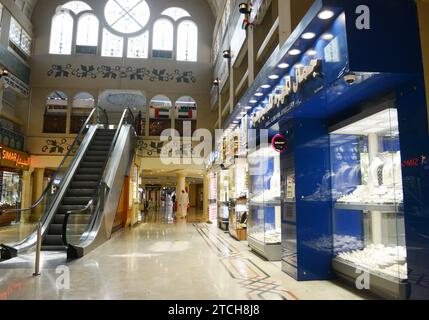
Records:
x=214, y=150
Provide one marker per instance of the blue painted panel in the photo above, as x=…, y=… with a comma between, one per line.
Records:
x=392, y=43
x=314, y=202
x=415, y=147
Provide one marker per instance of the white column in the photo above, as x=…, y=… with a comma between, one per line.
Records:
x=182, y=199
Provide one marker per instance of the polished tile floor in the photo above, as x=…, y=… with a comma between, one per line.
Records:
x=160, y=260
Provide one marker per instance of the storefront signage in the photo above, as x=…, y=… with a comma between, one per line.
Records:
x=14, y=159
x=279, y=143
x=291, y=85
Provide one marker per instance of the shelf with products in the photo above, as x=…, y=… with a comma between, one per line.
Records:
x=239, y=206
x=264, y=225
x=369, y=227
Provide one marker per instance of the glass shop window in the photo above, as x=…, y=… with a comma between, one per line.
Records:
x=19, y=40
x=10, y=189
x=186, y=113
x=55, y=117
x=368, y=216
x=160, y=115
x=83, y=103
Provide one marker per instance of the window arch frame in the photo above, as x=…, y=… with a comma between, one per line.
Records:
x=179, y=23
x=71, y=29
x=173, y=36
x=78, y=18
x=186, y=15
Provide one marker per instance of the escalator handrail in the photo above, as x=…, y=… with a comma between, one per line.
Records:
x=70, y=150
x=89, y=207
x=102, y=188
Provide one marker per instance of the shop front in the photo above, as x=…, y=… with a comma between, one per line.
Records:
x=340, y=189
x=12, y=165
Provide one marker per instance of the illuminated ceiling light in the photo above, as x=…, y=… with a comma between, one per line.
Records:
x=253, y=101
x=283, y=65
x=259, y=94
x=265, y=86
x=325, y=15
x=248, y=108
x=273, y=77
x=327, y=36
x=294, y=52
x=308, y=35
x=311, y=53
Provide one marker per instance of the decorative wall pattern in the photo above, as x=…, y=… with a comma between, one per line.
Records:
x=56, y=146
x=118, y=72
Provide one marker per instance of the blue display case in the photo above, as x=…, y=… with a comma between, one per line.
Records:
x=264, y=225
x=367, y=190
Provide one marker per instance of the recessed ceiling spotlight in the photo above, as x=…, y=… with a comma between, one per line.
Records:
x=325, y=15
x=265, y=86
x=311, y=53
x=259, y=94
x=327, y=36
x=294, y=52
x=308, y=35
x=283, y=65
x=273, y=77
x=253, y=101
x=248, y=108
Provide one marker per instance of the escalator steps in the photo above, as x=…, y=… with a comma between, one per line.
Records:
x=81, y=190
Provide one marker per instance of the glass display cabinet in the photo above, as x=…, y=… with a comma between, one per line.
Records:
x=10, y=195
x=264, y=225
x=239, y=207
x=223, y=199
x=369, y=229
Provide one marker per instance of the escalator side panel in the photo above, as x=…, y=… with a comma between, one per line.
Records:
x=29, y=243
x=117, y=169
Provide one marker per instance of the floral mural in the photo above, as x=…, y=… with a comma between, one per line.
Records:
x=118, y=72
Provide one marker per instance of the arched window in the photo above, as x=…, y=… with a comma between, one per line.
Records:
x=176, y=13
x=55, y=118
x=138, y=46
x=113, y=46
x=76, y=6
x=87, y=31
x=187, y=41
x=127, y=16
x=160, y=115
x=61, y=33
x=163, y=39
x=83, y=103
x=186, y=115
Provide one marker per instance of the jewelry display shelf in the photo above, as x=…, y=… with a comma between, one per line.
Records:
x=382, y=285
x=271, y=252
x=388, y=207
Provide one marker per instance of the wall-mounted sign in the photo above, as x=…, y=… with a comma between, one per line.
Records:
x=279, y=143
x=14, y=159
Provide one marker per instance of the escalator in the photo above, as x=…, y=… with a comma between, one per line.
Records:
x=79, y=206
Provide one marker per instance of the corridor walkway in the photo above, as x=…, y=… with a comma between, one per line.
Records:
x=163, y=261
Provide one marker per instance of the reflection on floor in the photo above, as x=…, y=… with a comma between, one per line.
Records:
x=162, y=260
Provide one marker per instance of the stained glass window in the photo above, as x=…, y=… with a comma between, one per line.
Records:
x=187, y=41
x=138, y=46
x=87, y=30
x=127, y=16
x=164, y=37
x=19, y=37
x=113, y=46
x=61, y=33
x=176, y=13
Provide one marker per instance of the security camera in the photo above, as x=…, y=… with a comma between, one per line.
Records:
x=350, y=78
